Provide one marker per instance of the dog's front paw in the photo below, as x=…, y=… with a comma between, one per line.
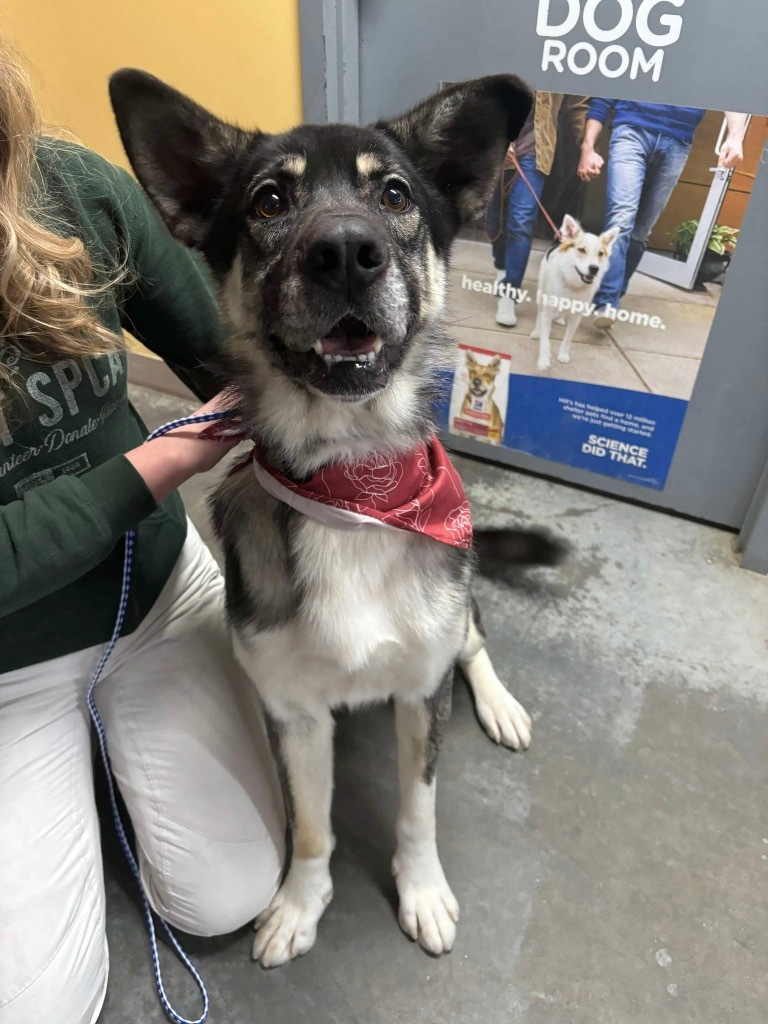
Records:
x=542, y=364
x=428, y=909
x=563, y=357
x=288, y=927
x=504, y=718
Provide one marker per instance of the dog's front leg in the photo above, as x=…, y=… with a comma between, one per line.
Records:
x=564, y=355
x=303, y=748
x=428, y=908
x=542, y=332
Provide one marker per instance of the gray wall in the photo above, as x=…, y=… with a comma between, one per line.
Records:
x=407, y=46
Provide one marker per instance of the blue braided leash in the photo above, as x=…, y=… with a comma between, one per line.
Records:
x=130, y=544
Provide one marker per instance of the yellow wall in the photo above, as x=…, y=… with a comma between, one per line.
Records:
x=239, y=58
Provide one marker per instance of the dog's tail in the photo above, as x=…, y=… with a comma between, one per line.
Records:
x=496, y=548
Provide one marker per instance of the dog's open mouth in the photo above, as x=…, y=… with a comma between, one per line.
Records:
x=586, y=278
x=351, y=361
x=349, y=341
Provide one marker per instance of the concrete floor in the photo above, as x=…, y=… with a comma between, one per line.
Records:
x=632, y=356
x=614, y=874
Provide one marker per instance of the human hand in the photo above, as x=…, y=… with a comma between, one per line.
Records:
x=731, y=152
x=204, y=444
x=167, y=461
x=509, y=159
x=590, y=165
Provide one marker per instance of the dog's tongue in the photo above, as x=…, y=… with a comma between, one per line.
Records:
x=348, y=335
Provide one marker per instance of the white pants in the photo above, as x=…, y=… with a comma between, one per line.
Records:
x=193, y=767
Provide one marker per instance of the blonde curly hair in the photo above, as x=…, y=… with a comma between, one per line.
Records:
x=47, y=280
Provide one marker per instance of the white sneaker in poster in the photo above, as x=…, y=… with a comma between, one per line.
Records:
x=505, y=312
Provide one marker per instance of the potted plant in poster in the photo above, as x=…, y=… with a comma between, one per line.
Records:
x=719, y=248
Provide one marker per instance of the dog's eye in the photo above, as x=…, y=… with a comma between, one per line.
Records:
x=601, y=254
x=395, y=198
x=582, y=250
x=269, y=202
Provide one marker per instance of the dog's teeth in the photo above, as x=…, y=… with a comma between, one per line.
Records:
x=378, y=345
x=331, y=358
x=318, y=347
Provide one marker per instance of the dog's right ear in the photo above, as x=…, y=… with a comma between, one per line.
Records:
x=458, y=137
x=182, y=155
x=570, y=228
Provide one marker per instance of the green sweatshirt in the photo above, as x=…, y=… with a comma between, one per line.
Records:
x=67, y=493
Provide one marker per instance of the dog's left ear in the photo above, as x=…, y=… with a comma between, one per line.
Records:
x=458, y=137
x=182, y=155
x=609, y=237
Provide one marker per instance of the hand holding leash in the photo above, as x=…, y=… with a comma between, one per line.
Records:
x=167, y=461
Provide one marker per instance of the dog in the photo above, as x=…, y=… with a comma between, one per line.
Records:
x=330, y=247
x=479, y=396
x=569, y=277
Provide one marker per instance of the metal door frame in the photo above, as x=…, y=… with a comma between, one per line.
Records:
x=330, y=60
x=683, y=272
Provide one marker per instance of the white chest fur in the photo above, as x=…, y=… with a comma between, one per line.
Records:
x=379, y=616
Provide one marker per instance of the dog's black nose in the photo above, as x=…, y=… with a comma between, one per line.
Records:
x=593, y=268
x=345, y=253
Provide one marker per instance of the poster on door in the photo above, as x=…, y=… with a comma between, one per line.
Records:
x=583, y=299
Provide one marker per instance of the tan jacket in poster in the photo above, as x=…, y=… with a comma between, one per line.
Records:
x=547, y=109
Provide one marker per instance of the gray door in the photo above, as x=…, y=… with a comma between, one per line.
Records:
x=371, y=58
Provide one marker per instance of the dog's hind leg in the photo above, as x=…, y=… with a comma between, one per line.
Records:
x=503, y=718
x=564, y=355
x=428, y=909
x=303, y=749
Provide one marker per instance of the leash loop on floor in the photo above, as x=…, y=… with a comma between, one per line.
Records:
x=149, y=915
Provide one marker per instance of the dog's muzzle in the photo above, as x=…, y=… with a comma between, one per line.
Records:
x=342, y=257
x=589, y=277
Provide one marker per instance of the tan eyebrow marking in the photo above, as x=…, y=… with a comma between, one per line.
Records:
x=369, y=164
x=294, y=164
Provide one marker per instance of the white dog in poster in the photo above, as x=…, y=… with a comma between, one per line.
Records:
x=569, y=277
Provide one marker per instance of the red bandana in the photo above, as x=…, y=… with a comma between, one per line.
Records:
x=420, y=491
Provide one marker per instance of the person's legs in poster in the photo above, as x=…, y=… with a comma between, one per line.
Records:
x=665, y=167
x=521, y=216
x=496, y=228
x=628, y=156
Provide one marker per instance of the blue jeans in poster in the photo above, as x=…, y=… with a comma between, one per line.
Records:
x=521, y=216
x=643, y=169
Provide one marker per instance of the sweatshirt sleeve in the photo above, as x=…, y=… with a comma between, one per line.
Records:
x=600, y=110
x=169, y=304
x=61, y=530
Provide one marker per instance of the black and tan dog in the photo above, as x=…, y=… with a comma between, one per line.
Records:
x=330, y=245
